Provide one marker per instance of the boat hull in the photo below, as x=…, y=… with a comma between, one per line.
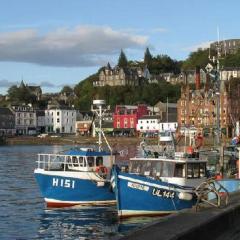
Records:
x=65, y=191
x=138, y=195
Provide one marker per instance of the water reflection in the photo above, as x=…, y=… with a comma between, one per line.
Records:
x=23, y=214
x=80, y=223
x=87, y=223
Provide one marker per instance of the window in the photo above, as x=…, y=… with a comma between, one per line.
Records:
x=58, y=120
x=196, y=170
x=179, y=170
x=168, y=169
x=90, y=161
x=99, y=161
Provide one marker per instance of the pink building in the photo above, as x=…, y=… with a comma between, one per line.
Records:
x=125, y=118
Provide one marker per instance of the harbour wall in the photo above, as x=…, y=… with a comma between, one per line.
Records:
x=207, y=223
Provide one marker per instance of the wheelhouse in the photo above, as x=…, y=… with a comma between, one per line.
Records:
x=81, y=160
x=157, y=168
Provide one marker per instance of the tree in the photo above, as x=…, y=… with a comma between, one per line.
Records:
x=67, y=90
x=147, y=57
x=122, y=61
x=21, y=94
x=198, y=58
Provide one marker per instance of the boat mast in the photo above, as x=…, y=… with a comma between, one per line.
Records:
x=215, y=73
x=97, y=108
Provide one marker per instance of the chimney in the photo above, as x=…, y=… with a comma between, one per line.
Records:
x=197, y=78
x=207, y=84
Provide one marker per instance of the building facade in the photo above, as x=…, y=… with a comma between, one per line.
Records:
x=229, y=46
x=125, y=118
x=198, y=109
x=25, y=119
x=40, y=121
x=118, y=76
x=7, y=122
x=60, y=120
x=229, y=73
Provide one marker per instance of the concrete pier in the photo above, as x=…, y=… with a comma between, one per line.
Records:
x=207, y=223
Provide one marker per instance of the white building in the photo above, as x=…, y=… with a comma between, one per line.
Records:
x=152, y=125
x=148, y=124
x=229, y=72
x=25, y=119
x=60, y=120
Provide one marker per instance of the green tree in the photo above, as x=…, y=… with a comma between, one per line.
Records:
x=147, y=57
x=198, y=58
x=122, y=60
x=21, y=94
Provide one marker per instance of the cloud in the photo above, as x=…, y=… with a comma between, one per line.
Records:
x=202, y=45
x=81, y=46
x=5, y=83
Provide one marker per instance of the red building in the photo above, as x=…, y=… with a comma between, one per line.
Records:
x=125, y=118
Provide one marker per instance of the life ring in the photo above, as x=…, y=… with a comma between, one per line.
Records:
x=101, y=170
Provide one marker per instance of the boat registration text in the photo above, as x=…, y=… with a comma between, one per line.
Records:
x=65, y=183
x=163, y=193
x=138, y=186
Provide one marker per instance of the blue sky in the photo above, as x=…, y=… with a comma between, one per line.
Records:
x=53, y=43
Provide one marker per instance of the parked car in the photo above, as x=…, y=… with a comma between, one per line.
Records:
x=42, y=135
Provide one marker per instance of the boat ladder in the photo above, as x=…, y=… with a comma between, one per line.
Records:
x=212, y=193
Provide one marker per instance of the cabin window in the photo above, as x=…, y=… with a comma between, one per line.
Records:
x=81, y=162
x=90, y=161
x=156, y=169
x=202, y=169
x=168, y=169
x=99, y=161
x=179, y=170
x=135, y=166
x=196, y=170
x=75, y=161
x=146, y=168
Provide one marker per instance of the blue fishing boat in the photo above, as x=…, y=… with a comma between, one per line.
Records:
x=159, y=184
x=79, y=176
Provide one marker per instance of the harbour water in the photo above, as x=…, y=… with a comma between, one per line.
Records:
x=23, y=214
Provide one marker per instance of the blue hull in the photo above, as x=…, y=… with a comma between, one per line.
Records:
x=59, y=191
x=232, y=185
x=137, y=195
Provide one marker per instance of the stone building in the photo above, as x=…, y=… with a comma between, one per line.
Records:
x=34, y=90
x=229, y=46
x=198, y=108
x=118, y=76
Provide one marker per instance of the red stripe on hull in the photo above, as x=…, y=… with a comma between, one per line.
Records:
x=64, y=205
x=60, y=205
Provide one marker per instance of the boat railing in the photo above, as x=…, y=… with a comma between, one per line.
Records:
x=57, y=162
x=52, y=161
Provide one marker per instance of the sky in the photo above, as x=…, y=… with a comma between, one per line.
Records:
x=53, y=43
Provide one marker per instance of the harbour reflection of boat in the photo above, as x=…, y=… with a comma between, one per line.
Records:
x=78, y=223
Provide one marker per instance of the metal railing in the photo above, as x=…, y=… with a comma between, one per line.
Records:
x=220, y=195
